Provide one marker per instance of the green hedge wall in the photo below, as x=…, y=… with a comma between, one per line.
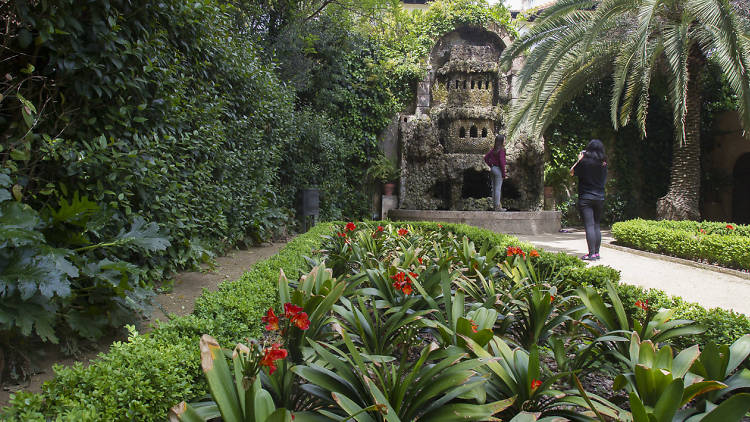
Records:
x=142, y=378
x=719, y=244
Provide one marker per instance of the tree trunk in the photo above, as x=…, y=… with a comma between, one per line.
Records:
x=682, y=200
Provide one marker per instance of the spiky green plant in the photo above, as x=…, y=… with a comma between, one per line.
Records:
x=576, y=42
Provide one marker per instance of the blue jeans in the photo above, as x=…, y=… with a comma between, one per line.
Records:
x=497, y=185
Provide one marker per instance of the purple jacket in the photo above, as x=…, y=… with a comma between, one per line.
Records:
x=493, y=158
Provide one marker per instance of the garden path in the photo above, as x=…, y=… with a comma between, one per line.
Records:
x=706, y=287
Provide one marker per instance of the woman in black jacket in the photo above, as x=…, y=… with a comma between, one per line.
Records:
x=591, y=170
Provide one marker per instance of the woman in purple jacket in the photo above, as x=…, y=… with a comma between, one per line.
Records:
x=496, y=160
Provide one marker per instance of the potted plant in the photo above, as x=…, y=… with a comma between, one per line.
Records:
x=385, y=172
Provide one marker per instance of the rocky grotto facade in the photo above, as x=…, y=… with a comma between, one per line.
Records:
x=461, y=105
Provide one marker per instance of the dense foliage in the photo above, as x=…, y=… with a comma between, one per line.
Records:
x=716, y=243
x=192, y=123
x=234, y=313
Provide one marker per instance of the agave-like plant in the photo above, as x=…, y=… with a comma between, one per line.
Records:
x=235, y=398
x=518, y=373
x=612, y=325
x=441, y=385
x=660, y=386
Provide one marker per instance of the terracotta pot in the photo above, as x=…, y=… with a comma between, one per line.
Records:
x=548, y=191
x=388, y=188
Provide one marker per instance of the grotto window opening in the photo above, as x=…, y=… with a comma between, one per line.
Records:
x=456, y=83
x=464, y=84
x=472, y=84
x=462, y=132
x=473, y=131
x=476, y=184
x=441, y=190
x=484, y=132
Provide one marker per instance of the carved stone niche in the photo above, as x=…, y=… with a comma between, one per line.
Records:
x=461, y=106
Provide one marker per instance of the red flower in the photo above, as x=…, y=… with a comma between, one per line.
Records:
x=512, y=250
x=642, y=304
x=271, y=355
x=406, y=289
x=380, y=228
x=413, y=275
x=301, y=321
x=420, y=261
x=534, y=253
x=342, y=234
x=291, y=310
x=350, y=227
x=551, y=298
x=474, y=325
x=402, y=283
x=271, y=320
x=440, y=226
x=399, y=277
x=403, y=232
x=535, y=384
x=702, y=231
x=730, y=227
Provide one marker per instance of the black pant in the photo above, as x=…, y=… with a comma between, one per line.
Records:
x=591, y=213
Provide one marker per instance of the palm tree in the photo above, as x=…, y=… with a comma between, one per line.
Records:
x=576, y=42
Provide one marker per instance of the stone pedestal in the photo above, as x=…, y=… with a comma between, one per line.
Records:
x=387, y=203
x=519, y=222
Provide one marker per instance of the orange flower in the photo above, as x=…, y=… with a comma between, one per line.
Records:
x=535, y=384
x=342, y=234
x=702, y=231
x=512, y=250
x=271, y=355
x=407, y=289
x=413, y=275
x=380, y=228
x=291, y=310
x=730, y=227
x=420, y=261
x=403, y=232
x=301, y=321
x=642, y=304
x=271, y=320
x=440, y=226
x=474, y=325
x=350, y=227
x=551, y=298
x=534, y=253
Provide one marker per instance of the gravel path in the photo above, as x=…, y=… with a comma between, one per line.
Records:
x=707, y=287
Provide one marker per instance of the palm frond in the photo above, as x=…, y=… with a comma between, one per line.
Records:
x=677, y=49
x=729, y=43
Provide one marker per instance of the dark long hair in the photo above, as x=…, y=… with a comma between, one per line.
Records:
x=595, y=151
x=499, y=142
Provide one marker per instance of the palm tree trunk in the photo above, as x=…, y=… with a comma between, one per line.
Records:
x=682, y=199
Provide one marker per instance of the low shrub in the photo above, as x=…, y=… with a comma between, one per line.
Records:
x=715, y=243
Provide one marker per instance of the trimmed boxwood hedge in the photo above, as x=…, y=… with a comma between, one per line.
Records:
x=719, y=244
x=142, y=378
